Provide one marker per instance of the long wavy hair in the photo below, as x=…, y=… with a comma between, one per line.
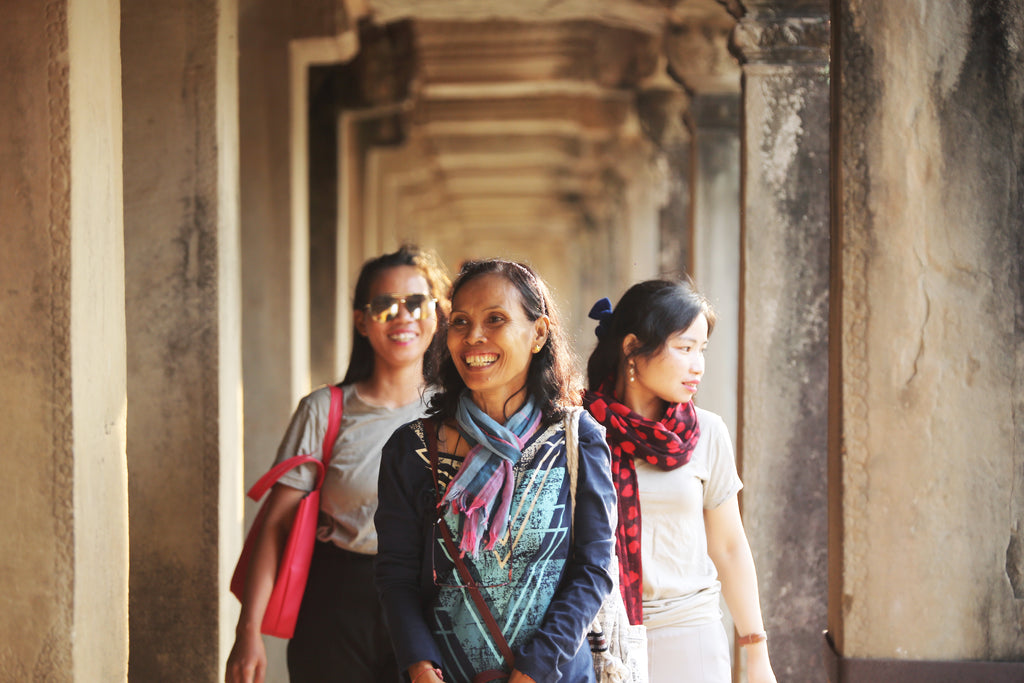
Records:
x=361, y=360
x=652, y=310
x=550, y=379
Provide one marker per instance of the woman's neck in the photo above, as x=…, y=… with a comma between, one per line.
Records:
x=392, y=387
x=640, y=400
x=499, y=408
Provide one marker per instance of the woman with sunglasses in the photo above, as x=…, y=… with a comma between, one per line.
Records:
x=340, y=634
x=679, y=541
x=483, y=480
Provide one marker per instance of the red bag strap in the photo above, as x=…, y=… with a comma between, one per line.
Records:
x=333, y=422
x=430, y=431
x=263, y=484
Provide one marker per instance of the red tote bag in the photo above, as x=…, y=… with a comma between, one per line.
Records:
x=290, y=582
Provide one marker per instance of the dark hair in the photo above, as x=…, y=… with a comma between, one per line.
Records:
x=652, y=310
x=360, y=362
x=550, y=380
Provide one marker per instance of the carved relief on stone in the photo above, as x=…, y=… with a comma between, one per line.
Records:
x=503, y=52
x=783, y=38
x=696, y=43
x=643, y=15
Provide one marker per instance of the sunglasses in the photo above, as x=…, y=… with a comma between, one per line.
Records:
x=385, y=308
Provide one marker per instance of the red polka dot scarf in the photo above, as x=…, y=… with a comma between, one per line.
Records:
x=666, y=444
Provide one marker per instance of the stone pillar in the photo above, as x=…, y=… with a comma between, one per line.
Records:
x=716, y=240
x=697, y=46
x=783, y=420
x=324, y=304
x=183, y=315
x=646, y=191
x=661, y=110
x=277, y=43
x=62, y=345
x=265, y=182
x=927, y=546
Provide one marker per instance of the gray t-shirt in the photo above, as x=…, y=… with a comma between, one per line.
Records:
x=348, y=499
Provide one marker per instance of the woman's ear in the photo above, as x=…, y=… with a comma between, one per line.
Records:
x=630, y=343
x=359, y=322
x=541, y=328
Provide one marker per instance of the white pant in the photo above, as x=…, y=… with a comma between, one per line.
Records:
x=689, y=654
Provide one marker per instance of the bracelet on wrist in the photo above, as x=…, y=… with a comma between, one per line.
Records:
x=751, y=639
x=424, y=670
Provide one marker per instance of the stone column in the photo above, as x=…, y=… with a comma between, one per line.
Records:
x=716, y=240
x=783, y=420
x=927, y=553
x=661, y=108
x=277, y=43
x=183, y=315
x=324, y=304
x=64, y=549
x=697, y=45
x=645, y=193
x=264, y=183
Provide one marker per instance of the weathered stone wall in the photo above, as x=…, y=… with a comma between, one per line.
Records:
x=181, y=244
x=782, y=445
x=64, y=548
x=930, y=563
x=35, y=352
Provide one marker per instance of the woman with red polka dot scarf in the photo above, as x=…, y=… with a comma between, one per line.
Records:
x=680, y=540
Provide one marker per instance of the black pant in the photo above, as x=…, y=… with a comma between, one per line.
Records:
x=340, y=633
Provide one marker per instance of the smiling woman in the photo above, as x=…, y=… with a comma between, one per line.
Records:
x=490, y=340
x=398, y=333
x=399, y=313
x=495, y=483
x=519, y=300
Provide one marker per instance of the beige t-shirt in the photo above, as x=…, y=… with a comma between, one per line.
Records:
x=348, y=499
x=681, y=585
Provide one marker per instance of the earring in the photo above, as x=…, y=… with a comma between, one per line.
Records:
x=537, y=348
x=632, y=371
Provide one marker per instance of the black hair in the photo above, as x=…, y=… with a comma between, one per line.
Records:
x=652, y=310
x=361, y=360
x=551, y=379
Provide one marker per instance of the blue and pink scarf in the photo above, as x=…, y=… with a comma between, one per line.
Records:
x=481, y=491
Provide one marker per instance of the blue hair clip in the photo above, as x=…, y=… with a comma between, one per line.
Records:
x=601, y=312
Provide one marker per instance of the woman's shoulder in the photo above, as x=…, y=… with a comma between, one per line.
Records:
x=316, y=402
x=589, y=425
x=715, y=439
x=407, y=437
x=592, y=436
x=412, y=433
x=710, y=422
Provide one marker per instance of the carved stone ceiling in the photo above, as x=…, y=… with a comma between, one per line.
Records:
x=525, y=105
x=638, y=14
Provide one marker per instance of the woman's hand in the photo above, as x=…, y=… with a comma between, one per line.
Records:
x=519, y=677
x=759, y=668
x=247, y=662
x=424, y=672
x=730, y=551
